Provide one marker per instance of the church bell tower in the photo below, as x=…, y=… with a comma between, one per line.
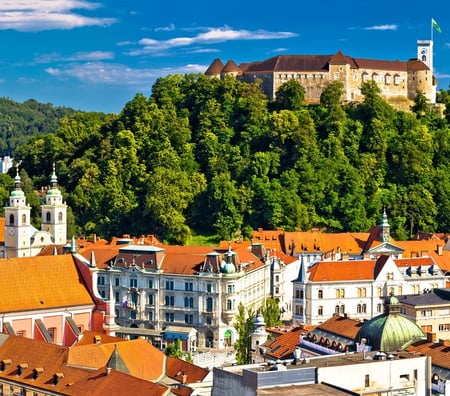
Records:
x=54, y=213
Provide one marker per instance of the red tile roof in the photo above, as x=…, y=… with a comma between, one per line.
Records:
x=41, y=282
x=111, y=382
x=176, y=368
x=332, y=271
x=342, y=326
x=283, y=346
x=439, y=352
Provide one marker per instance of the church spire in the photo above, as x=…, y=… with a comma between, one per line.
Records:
x=384, y=228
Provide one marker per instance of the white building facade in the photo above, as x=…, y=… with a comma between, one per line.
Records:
x=154, y=288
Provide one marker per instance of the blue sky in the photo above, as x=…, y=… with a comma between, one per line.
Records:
x=97, y=55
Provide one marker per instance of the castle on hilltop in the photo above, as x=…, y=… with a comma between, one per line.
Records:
x=396, y=79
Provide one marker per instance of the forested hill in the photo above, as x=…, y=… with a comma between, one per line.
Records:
x=205, y=155
x=19, y=121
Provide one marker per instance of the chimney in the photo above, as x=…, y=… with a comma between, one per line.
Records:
x=97, y=339
x=440, y=250
x=184, y=379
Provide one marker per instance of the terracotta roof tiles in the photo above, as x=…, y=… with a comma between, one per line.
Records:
x=333, y=271
x=342, y=326
x=54, y=280
x=283, y=346
x=105, y=381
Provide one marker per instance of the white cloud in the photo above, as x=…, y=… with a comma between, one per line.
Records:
x=382, y=27
x=211, y=36
x=118, y=74
x=169, y=28
x=76, y=57
x=38, y=15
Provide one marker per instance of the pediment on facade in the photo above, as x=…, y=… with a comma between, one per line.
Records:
x=386, y=248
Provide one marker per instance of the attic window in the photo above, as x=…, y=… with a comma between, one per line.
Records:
x=4, y=364
x=57, y=377
x=37, y=371
x=21, y=368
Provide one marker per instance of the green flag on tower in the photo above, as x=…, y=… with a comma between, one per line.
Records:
x=435, y=25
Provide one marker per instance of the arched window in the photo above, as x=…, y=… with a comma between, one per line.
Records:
x=48, y=216
x=24, y=219
x=229, y=305
x=11, y=219
x=60, y=217
x=186, y=302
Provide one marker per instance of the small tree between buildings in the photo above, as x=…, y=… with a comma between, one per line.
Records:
x=174, y=349
x=270, y=311
x=244, y=327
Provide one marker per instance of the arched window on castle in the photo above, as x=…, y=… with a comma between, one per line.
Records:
x=388, y=79
x=396, y=79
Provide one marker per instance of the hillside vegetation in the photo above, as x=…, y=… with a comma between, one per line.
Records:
x=210, y=156
x=19, y=121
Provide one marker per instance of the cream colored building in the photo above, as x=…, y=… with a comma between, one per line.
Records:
x=398, y=80
x=430, y=310
x=181, y=288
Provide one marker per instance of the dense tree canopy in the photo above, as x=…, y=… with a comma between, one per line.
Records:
x=202, y=155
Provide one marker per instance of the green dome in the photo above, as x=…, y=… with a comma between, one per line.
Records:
x=53, y=191
x=229, y=268
x=390, y=331
x=17, y=194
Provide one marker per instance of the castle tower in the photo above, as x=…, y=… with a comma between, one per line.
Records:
x=54, y=213
x=425, y=54
x=17, y=222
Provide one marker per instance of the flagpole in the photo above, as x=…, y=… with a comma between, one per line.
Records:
x=432, y=29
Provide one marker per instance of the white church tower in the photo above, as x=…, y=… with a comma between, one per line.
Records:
x=54, y=213
x=17, y=222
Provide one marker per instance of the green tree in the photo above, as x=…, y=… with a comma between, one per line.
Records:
x=174, y=349
x=421, y=104
x=270, y=311
x=244, y=327
x=290, y=95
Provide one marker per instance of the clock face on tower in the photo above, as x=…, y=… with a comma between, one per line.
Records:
x=424, y=51
x=11, y=231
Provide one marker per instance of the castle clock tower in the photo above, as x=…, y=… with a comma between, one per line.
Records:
x=17, y=223
x=425, y=53
x=54, y=213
